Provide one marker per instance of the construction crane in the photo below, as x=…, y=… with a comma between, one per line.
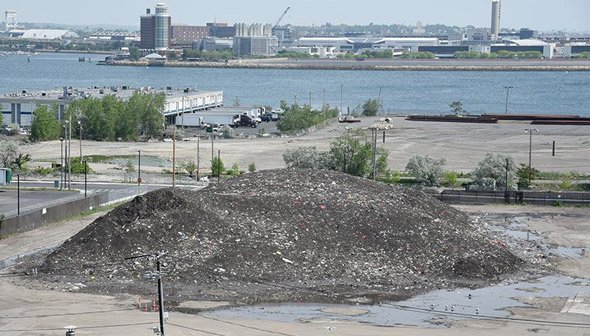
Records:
x=281, y=18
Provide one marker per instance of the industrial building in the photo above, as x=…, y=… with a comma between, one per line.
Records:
x=221, y=30
x=156, y=29
x=214, y=44
x=523, y=46
x=573, y=50
x=355, y=44
x=496, y=16
x=186, y=35
x=18, y=108
x=109, y=35
x=43, y=34
x=10, y=21
x=255, y=40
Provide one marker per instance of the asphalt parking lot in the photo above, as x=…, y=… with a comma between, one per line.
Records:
x=30, y=200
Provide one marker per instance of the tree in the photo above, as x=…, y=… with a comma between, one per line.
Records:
x=306, y=158
x=347, y=154
x=491, y=173
x=45, y=126
x=134, y=53
x=8, y=153
x=525, y=175
x=19, y=164
x=457, y=107
x=217, y=167
x=370, y=107
x=427, y=169
x=235, y=170
x=190, y=166
x=252, y=167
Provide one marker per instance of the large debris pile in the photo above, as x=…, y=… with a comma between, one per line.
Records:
x=284, y=235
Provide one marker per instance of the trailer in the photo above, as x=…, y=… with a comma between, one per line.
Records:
x=203, y=118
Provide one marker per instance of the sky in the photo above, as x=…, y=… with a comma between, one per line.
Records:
x=543, y=15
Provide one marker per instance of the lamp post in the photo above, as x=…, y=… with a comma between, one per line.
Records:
x=85, y=179
x=66, y=156
x=138, y=172
x=61, y=168
x=530, y=132
x=80, y=127
x=507, y=95
x=18, y=194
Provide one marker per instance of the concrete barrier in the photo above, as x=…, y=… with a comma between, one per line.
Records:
x=38, y=218
x=550, y=198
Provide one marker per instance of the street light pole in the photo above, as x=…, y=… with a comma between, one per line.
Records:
x=61, y=168
x=18, y=194
x=198, y=156
x=530, y=132
x=174, y=158
x=507, y=94
x=80, y=127
x=138, y=172
x=85, y=179
x=160, y=298
x=70, y=153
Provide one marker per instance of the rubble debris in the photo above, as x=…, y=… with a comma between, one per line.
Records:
x=284, y=235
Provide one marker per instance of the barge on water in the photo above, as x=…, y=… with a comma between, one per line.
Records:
x=476, y=119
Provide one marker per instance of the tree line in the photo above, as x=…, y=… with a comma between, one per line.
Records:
x=103, y=119
x=297, y=118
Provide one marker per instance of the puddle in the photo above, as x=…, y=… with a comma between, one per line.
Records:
x=518, y=230
x=427, y=310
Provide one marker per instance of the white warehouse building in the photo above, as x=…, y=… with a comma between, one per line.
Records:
x=354, y=44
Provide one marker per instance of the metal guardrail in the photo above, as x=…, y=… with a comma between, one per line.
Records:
x=515, y=197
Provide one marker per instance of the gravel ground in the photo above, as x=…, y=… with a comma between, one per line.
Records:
x=462, y=145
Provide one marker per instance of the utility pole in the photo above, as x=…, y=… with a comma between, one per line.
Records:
x=212, y=148
x=530, y=132
x=66, y=157
x=158, y=275
x=80, y=127
x=323, y=99
x=218, y=162
x=507, y=94
x=18, y=194
x=309, y=98
x=174, y=157
x=85, y=179
x=160, y=297
x=61, y=168
x=138, y=172
x=379, y=107
x=198, y=156
x=341, y=98
x=70, y=153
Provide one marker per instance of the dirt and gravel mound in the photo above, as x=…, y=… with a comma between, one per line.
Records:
x=283, y=235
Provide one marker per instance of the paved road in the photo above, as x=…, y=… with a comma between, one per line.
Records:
x=32, y=200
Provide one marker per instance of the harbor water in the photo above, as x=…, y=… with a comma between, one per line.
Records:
x=406, y=92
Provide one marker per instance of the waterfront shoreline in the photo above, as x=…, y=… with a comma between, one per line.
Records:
x=436, y=65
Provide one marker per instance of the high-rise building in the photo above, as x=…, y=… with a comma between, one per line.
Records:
x=163, y=27
x=496, y=15
x=10, y=20
x=156, y=29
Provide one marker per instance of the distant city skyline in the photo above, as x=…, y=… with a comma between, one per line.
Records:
x=543, y=15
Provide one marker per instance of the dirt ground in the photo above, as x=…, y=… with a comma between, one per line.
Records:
x=462, y=145
x=28, y=311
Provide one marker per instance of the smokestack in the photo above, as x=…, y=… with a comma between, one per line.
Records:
x=496, y=15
